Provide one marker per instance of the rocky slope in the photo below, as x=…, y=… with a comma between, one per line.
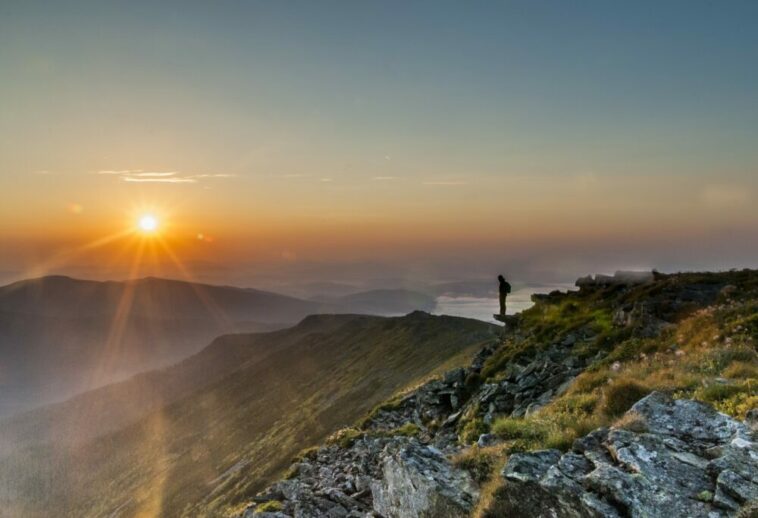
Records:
x=541, y=425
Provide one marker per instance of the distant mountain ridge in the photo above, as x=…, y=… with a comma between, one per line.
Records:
x=60, y=336
x=64, y=296
x=384, y=301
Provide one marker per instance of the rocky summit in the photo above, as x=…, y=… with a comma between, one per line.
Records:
x=633, y=396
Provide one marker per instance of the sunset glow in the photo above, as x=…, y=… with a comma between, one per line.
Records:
x=419, y=154
x=148, y=223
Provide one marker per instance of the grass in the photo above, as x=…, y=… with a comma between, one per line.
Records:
x=270, y=507
x=345, y=437
x=708, y=355
x=407, y=430
x=621, y=395
x=471, y=430
x=482, y=463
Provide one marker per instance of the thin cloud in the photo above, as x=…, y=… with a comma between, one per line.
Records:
x=142, y=176
x=121, y=172
x=167, y=179
x=384, y=178
x=327, y=180
x=217, y=175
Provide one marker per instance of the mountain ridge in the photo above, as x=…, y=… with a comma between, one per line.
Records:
x=60, y=336
x=571, y=414
x=254, y=417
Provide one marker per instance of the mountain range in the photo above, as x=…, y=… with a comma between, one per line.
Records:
x=195, y=438
x=61, y=336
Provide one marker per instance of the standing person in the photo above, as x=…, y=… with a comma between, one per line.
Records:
x=505, y=289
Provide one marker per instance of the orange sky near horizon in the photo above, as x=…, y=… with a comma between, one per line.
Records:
x=453, y=140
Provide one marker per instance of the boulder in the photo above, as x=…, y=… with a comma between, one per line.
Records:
x=419, y=482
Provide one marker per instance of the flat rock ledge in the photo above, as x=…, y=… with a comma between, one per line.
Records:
x=666, y=458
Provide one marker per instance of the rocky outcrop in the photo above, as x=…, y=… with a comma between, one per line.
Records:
x=390, y=476
x=526, y=387
x=334, y=480
x=668, y=458
x=418, y=481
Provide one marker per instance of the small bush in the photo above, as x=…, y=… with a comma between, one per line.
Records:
x=270, y=507
x=717, y=392
x=472, y=430
x=590, y=380
x=407, y=430
x=577, y=404
x=512, y=428
x=621, y=395
x=479, y=462
x=739, y=369
x=345, y=437
x=724, y=357
x=560, y=439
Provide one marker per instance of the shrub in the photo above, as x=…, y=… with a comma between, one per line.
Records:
x=560, y=439
x=479, y=462
x=717, y=392
x=344, y=437
x=472, y=430
x=513, y=428
x=407, y=430
x=724, y=357
x=577, y=404
x=621, y=395
x=590, y=380
x=740, y=369
x=270, y=507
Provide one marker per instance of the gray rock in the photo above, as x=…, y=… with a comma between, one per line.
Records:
x=530, y=467
x=662, y=471
x=486, y=439
x=740, y=489
x=419, y=482
x=691, y=421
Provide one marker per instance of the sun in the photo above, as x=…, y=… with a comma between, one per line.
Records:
x=148, y=223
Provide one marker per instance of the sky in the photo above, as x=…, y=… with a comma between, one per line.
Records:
x=383, y=140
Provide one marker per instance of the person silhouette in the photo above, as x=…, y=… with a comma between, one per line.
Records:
x=504, y=290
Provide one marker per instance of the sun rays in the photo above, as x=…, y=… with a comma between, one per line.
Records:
x=148, y=224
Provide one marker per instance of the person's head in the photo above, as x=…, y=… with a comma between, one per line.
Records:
x=501, y=278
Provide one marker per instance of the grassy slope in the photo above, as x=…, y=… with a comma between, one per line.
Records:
x=114, y=406
x=207, y=453
x=708, y=354
x=61, y=336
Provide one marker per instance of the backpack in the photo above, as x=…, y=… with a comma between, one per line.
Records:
x=507, y=287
